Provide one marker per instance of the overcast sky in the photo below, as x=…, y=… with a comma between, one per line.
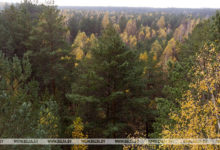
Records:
x=137, y=3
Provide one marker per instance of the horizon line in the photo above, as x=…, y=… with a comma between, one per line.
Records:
x=140, y=7
x=125, y=6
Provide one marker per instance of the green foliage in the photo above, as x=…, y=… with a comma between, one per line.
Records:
x=113, y=61
x=47, y=45
x=177, y=83
x=18, y=100
x=18, y=97
x=198, y=116
x=48, y=124
x=181, y=74
x=109, y=88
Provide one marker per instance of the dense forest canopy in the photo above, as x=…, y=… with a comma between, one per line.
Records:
x=97, y=72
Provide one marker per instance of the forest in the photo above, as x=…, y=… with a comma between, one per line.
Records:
x=98, y=72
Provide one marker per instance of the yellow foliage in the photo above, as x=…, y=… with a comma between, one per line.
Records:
x=78, y=134
x=76, y=64
x=162, y=33
x=49, y=122
x=199, y=114
x=89, y=55
x=161, y=22
x=131, y=27
x=141, y=35
x=155, y=57
x=156, y=49
x=91, y=41
x=127, y=91
x=79, y=53
x=147, y=32
x=143, y=56
x=124, y=37
x=203, y=86
x=183, y=31
x=82, y=45
x=179, y=33
x=153, y=33
x=168, y=53
x=132, y=41
x=138, y=135
x=68, y=36
x=80, y=40
x=113, y=19
x=105, y=20
x=218, y=100
x=117, y=27
x=65, y=58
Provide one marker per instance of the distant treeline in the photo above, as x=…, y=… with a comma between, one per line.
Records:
x=199, y=12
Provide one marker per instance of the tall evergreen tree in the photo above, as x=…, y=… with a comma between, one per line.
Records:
x=110, y=89
x=46, y=47
x=51, y=61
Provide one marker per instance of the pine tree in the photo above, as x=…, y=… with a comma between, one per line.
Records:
x=52, y=63
x=16, y=25
x=46, y=47
x=109, y=89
